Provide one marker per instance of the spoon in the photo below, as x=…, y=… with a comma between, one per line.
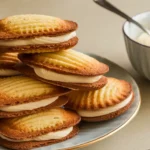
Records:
x=115, y=10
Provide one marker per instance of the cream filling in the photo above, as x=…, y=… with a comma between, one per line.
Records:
x=8, y=72
x=29, y=106
x=53, y=76
x=38, y=40
x=50, y=136
x=144, y=39
x=105, y=111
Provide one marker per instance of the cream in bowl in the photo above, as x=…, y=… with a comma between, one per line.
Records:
x=138, y=44
x=144, y=39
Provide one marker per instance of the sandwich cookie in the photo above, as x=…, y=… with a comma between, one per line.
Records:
x=106, y=103
x=67, y=68
x=7, y=63
x=20, y=95
x=41, y=129
x=33, y=33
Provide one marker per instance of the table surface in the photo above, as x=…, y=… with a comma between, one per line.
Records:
x=99, y=32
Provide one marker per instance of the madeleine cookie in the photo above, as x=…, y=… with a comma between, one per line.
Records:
x=44, y=128
x=106, y=103
x=20, y=95
x=68, y=68
x=33, y=33
x=7, y=63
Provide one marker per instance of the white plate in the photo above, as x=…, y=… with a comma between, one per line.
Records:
x=93, y=132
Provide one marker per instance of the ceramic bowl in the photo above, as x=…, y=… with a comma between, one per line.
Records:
x=138, y=53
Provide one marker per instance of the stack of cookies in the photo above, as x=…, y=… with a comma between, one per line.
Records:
x=44, y=74
x=31, y=110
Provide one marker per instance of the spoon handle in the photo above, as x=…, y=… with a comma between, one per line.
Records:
x=115, y=10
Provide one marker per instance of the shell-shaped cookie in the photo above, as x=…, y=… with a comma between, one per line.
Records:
x=29, y=25
x=111, y=94
x=22, y=89
x=38, y=124
x=67, y=62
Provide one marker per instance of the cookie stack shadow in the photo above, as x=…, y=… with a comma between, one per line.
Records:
x=47, y=88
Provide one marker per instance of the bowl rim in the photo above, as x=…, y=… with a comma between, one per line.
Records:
x=124, y=32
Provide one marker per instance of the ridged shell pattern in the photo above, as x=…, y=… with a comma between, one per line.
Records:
x=8, y=58
x=112, y=93
x=71, y=61
x=39, y=121
x=50, y=120
x=31, y=24
x=24, y=87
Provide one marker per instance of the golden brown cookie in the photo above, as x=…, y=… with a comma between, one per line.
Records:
x=28, y=71
x=21, y=95
x=110, y=116
x=7, y=63
x=39, y=129
x=69, y=68
x=66, y=62
x=36, y=33
x=103, y=104
x=33, y=144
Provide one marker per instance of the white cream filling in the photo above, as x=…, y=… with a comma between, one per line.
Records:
x=144, y=39
x=38, y=40
x=29, y=106
x=53, y=76
x=8, y=72
x=49, y=136
x=105, y=111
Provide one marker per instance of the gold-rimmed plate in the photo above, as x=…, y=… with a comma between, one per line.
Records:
x=94, y=132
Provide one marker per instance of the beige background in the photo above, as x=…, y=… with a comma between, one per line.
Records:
x=99, y=32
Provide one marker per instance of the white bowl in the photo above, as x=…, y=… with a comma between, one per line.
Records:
x=138, y=53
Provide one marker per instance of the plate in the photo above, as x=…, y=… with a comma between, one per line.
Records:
x=94, y=132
